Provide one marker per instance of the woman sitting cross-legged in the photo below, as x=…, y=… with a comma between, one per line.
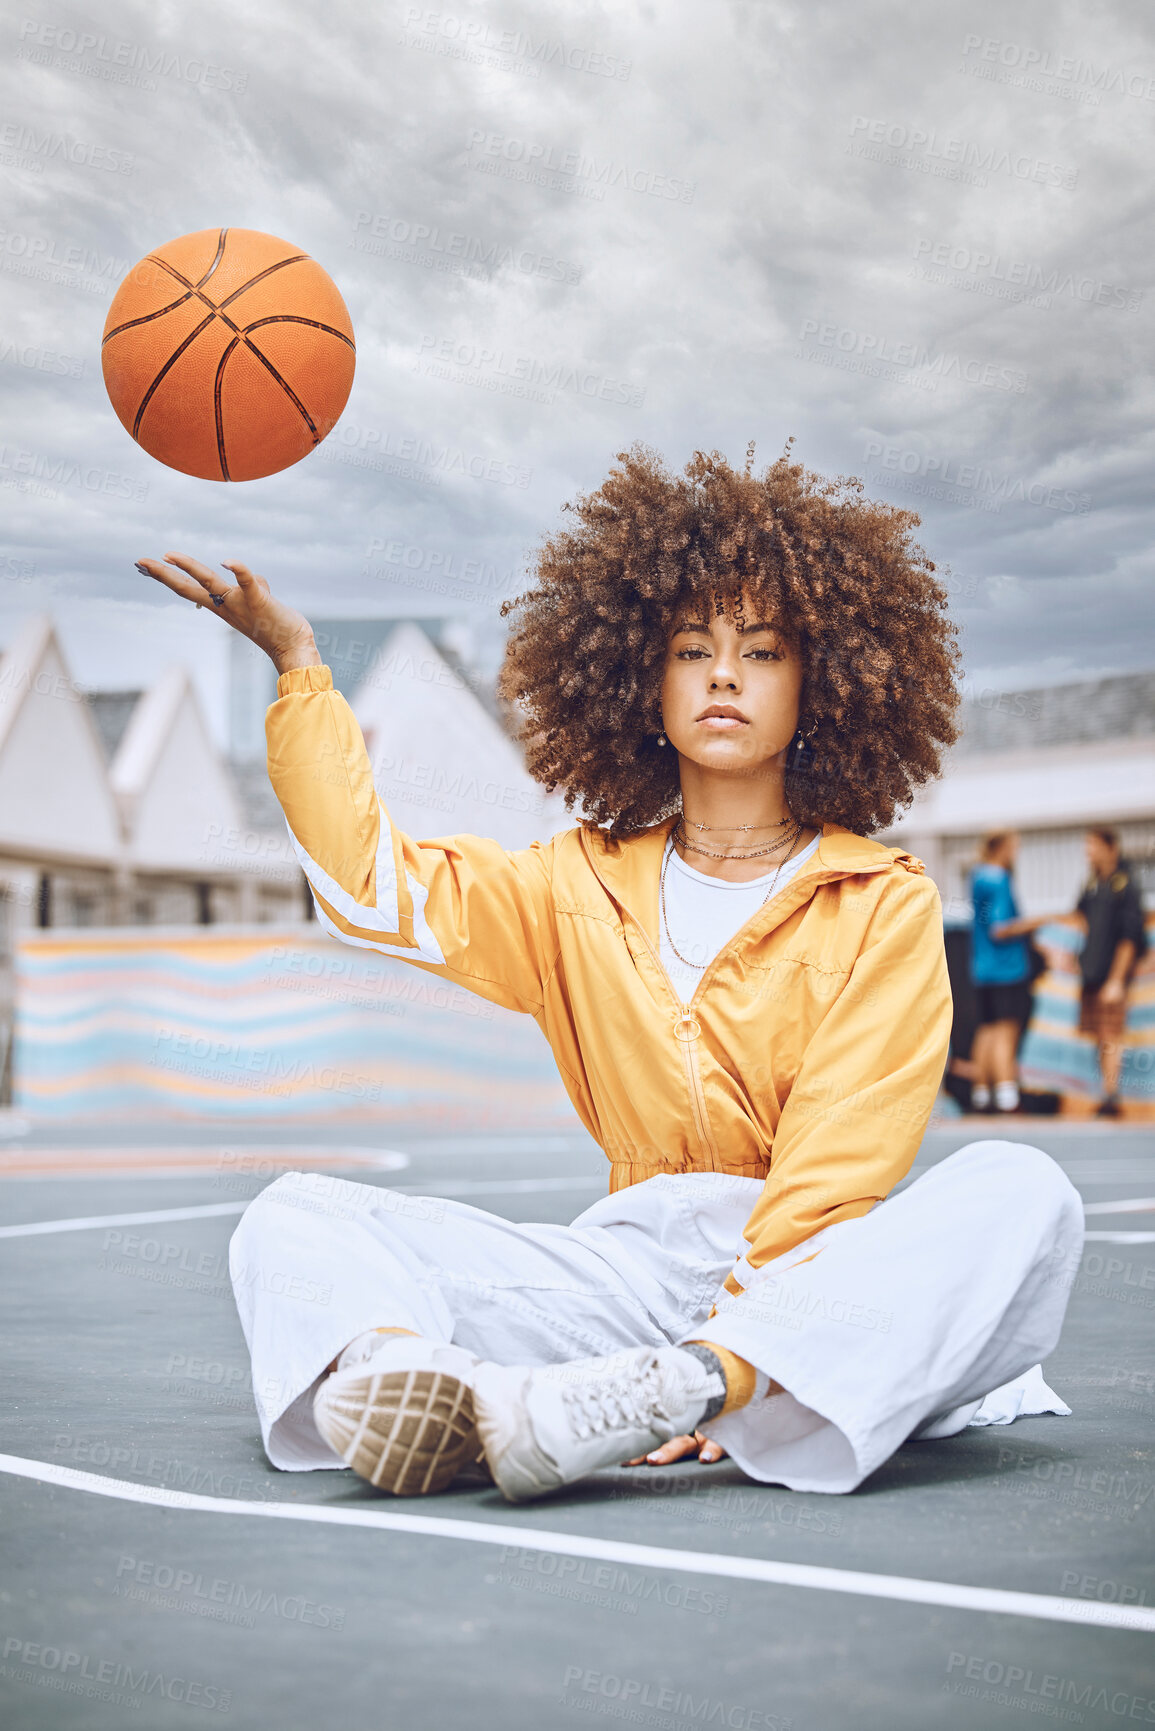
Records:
x=736, y=678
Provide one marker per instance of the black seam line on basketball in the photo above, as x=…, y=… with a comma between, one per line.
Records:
x=145, y=317
x=194, y=288
x=172, y=359
x=172, y=271
x=297, y=258
x=298, y=319
x=287, y=388
x=218, y=410
x=224, y=318
x=221, y=238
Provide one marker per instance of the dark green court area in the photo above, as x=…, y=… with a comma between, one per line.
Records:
x=124, y=1360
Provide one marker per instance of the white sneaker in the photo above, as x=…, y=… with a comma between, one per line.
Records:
x=399, y=1410
x=545, y=1428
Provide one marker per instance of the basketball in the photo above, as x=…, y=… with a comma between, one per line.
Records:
x=228, y=354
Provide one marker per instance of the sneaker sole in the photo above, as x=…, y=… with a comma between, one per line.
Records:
x=408, y=1432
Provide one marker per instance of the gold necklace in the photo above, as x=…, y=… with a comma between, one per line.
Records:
x=751, y=853
x=781, y=824
x=685, y=960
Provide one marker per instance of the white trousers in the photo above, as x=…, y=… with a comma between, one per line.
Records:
x=930, y=1313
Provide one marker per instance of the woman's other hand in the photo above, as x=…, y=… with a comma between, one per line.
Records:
x=248, y=605
x=679, y=1448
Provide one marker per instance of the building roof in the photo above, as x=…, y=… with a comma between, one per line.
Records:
x=55, y=799
x=349, y=647
x=1121, y=706
x=111, y=711
x=441, y=762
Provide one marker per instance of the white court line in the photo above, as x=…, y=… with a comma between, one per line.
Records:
x=470, y=1187
x=764, y=1569
x=81, y=1223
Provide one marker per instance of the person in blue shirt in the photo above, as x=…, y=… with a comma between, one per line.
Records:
x=1001, y=973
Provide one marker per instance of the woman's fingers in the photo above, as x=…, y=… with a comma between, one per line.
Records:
x=191, y=579
x=203, y=575
x=186, y=587
x=255, y=588
x=199, y=584
x=676, y=1449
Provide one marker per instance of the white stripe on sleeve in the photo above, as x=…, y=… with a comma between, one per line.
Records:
x=384, y=917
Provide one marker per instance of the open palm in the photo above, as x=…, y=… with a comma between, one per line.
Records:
x=248, y=605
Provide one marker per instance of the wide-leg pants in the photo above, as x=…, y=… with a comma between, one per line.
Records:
x=929, y=1313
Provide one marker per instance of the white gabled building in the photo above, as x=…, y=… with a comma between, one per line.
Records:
x=60, y=835
x=117, y=809
x=441, y=762
x=1046, y=763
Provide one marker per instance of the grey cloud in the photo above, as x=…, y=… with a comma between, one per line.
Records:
x=790, y=285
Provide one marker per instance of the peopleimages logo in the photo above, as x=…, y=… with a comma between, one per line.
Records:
x=974, y=478
x=1026, y=276
x=922, y=360
x=529, y=159
x=923, y=145
x=120, y=62
x=1067, y=68
x=21, y=146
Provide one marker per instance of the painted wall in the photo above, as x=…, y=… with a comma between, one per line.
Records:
x=219, y=1023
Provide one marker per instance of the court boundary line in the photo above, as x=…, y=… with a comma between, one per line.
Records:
x=205, y=1210
x=768, y=1571
x=466, y=1187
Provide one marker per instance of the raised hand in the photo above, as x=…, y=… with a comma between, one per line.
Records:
x=248, y=605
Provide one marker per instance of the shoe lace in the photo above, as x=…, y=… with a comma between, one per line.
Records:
x=614, y=1401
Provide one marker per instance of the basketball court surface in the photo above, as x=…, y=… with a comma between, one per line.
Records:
x=161, y=1573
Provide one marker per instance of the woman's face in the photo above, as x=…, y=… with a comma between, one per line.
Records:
x=752, y=673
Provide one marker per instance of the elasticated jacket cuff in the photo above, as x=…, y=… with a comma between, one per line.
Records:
x=305, y=679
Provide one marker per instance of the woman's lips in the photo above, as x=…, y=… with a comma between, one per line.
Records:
x=721, y=722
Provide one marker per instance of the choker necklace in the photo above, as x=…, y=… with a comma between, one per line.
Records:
x=787, y=841
x=781, y=824
x=685, y=960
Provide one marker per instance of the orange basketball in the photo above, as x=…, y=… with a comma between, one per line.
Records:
x=228, y=354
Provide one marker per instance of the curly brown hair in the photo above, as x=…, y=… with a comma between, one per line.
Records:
x=838, y=573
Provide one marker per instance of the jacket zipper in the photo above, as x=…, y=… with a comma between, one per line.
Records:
x=689, y=1056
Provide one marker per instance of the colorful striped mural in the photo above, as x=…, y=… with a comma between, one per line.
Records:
x=266, y=1022
x=1055, y=1055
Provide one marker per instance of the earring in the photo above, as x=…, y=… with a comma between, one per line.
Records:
x=661, y=739
x=801, y=748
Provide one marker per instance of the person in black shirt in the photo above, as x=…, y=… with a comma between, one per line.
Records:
x=1112, y=914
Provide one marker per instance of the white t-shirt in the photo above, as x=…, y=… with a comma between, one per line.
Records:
x=705, y=912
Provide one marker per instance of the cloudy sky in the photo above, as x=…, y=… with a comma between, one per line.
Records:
x=916, y=238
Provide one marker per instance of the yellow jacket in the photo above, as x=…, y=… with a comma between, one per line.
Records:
x=810, y=1054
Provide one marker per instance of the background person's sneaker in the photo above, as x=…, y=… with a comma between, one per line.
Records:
x=549, y=1427
x=401, y=1414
